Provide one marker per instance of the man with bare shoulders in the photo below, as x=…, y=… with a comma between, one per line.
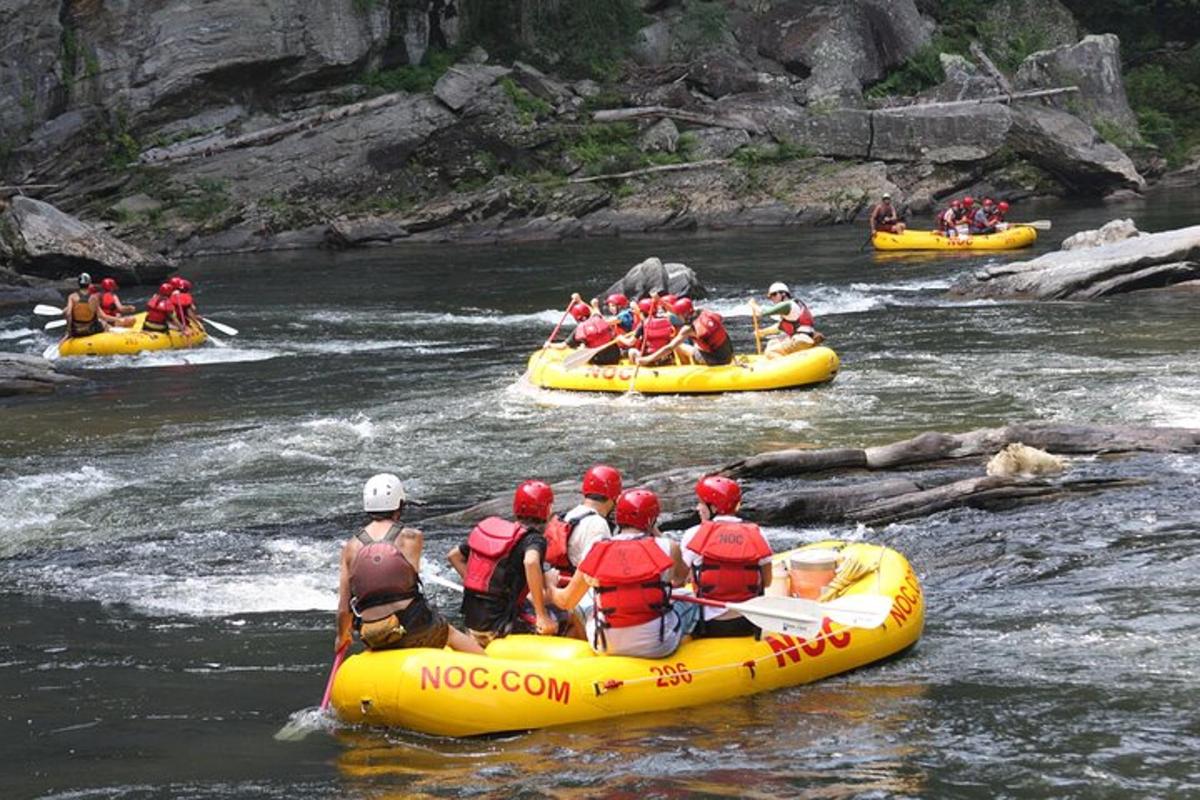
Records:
x=379, y=588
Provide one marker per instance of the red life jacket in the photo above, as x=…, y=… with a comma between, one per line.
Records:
x=491, y=541
x=710, y=331
x=380, y=575
x=656, y=332
x=158, y=309
x=629, y=571
x=108, y=304
x=593, y=332
x=558, y=539
x=803, y=321
x=730, y=571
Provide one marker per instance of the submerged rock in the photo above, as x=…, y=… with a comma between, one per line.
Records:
x=1115, y=231
x=652, y=275
x=25, y=374
x=1143, y=262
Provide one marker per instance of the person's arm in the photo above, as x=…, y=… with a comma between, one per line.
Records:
x=567, y=597
x=344, y=618
x=537, y=587
x=679, y=570
x=458, y=559
x=668, y=347
x=871, y=217
x=68, y=309
x=411, y=542
x=766, y=572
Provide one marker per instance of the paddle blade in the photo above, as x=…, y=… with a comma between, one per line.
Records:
x=301, y=723
x=440, y=581
x=51, y=352
x=579, y=357
x=1039, y=224
x=217, y=342
x=228, y=330
x=855, y=611
x=43, y=310
x=55, y=323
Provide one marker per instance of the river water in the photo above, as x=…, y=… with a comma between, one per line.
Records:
x=170, y=530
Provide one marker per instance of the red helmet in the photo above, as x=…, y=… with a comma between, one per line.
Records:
x=185, y=285
x=580, y=311
x=1003, y=205
x=602, y=480
x=968, y=201
x=177, y=282
x=956, y=203
x=166, y=289
x=638, y=508
x=533, y=499
x=109, y=284
x=723, y=494
x=646, y=306
x=987, y=201
x=669, y=299
x=619, y=300
x=683, y=307
x=183, y=298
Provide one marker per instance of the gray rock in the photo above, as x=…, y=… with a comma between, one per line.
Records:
x=586, y=88
x=136, y=204
x=1014, y=27
x=1094, y=65
x=652, y=45
x=23, y=291
x=1115, y=231
x=716, y=142
x=840, y=46
x=31, y=87
x=22, y=374
x=843, y=132
x=1071, y=150
x=940, y=134
x=538, y=84
x=652, y=275
x=963, y=81
x=722, y=73
x=661, y=137
x=1148, y=261
x=460, y=84
x=48, y=243
x=365, y=231
x=204, y=122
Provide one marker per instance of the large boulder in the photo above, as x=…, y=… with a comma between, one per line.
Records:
x=722, y=73
x=462, y=83
x=1117, y=230
x=46, y=242
x=1013, y=27
x=24, y=374
x=842, y=132
x=1071, y=150
x=1094, y=65
x=839, y=46
x=940, y=134
x=652, y=275
x=1141, y=262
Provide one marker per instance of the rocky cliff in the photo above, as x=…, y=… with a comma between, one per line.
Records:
x=231, y=125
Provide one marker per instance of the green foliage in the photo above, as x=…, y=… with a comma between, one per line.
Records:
x=1167, y=103
x=121, y=146
x=210, y=202
x=365, y=6
x=412, y=78
x=607, y=147
x=922, y=71
x=752, y=156
x=703, y=24
x=529, y=108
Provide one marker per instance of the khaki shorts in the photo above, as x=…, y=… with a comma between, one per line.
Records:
x=792, y=344
x=389, y=634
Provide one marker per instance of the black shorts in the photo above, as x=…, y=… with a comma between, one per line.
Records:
x=93, y=327
x=719, y=357
x=726, y=628
x=607, y=356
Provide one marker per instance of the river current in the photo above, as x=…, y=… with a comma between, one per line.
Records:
x=170, y=530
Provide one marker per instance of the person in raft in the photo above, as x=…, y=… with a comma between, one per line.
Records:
x=591, y=330
x=184, y=303
x=379, y=586
x=981, y=220
x=111, y=305
x=728, y=557
x=653, y=336
x=568, y=538
x=795, y=327
x=996, y=220
x=83, y=312
x=160, y=311
x=884, y=217
x=947, y=221
x=500, y=564
x=623, y=317
x=710, y=343
x=631, y=576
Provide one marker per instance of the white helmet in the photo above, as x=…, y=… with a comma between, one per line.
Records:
x=383, y=492
x=778, y=286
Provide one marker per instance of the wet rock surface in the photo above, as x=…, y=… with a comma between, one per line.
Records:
x=22, y=374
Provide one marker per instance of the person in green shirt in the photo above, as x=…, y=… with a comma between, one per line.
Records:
x=794, y=331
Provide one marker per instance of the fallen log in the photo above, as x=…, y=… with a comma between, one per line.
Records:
x=633, y=173
x=737, y=122
x=995, y=98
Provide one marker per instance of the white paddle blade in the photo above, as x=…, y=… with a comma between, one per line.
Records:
x=440, y=581
x=55, y=323
x=1040, y=224
x=51, y=352
x=580, y=357
x=861, y=611
x=228, y=330
x=43, y=310
x=217, y=342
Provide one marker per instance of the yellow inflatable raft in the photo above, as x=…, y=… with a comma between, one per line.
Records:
x=1015, y=237
x=527, y=682
x=127, y=341
x=748, y=373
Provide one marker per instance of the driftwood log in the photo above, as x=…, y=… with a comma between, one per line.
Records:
x=851, y=492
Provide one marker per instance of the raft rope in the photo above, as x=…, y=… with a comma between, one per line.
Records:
x=601, y=687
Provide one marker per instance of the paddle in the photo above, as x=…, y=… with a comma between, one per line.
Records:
x=584, y=355
x=757, y=335
x=338, y=658
x=785, y=614
x=440, y=581
x=1039, y=224
x=305, y=721
x=55, y=323
x=228, y=330
x=863, y=246
x=43, y=310
x=561, y=320
x=51, y=352
x=638, y=365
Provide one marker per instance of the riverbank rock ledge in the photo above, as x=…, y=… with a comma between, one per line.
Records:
x=38, y=239
x=22, y=374
x=1148, y=261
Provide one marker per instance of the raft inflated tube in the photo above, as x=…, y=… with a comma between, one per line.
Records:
x=128, y=341
x=527, y=682
x=1015, y=237
x=748, y=373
